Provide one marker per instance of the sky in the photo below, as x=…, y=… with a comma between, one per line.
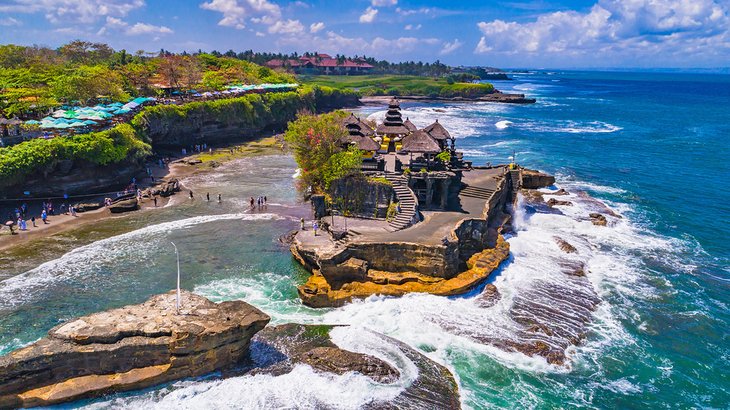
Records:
x=535, y=33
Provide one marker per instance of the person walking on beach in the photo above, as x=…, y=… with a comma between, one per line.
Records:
x=251, y=202
x=155, y=201
x=315, y=226
x=220, y=199
x=73, y=210
x=32, y=220
x=191, y=194
x=301, y=221
x=44, y=216
x=207, y=196
x=264, y=199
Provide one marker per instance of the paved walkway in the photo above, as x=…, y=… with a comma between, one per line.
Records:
x=437, y=225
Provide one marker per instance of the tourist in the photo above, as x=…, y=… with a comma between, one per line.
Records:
x=23, y=225
x=264, y=199
x=301, y=221
x=191, y=194
x=207, y=196
x=315, y=226
x=64, y=209
x=44, y=216
x=32, y=220
x=251, y=202
x=73, y=210
x=50, y=207
x=19, y=223
x=155, y=201
x=220, y=199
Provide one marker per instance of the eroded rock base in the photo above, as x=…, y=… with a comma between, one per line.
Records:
x=317, y=292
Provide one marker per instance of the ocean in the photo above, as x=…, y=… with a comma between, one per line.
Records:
x=650, y=146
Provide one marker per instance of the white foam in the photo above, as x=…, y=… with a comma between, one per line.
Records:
x=131, y=246
x=504, y=124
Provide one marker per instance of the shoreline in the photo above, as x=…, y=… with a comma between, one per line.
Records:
x=177, y=168
x=497, y=97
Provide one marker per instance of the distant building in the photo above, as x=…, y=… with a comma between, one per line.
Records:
x=322, y=64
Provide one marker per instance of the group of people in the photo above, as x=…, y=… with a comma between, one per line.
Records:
x=260, y=201
x=22, y=212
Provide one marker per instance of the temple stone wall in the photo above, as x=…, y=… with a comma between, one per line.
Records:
x=361, y=197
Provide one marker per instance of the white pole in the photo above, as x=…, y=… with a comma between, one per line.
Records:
x=177, y=301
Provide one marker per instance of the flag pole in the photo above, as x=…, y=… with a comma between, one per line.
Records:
x=177, y=300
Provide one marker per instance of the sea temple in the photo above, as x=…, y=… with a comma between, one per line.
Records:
x=418, y=219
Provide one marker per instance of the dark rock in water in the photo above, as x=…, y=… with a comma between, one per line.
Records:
x=573, y=268
x=598, y=205
x=126, y=205
x=598, y=219
x=88, y=206
x=564, y=245
x=128, y=348
x=560, y=191
x=277, y=349
x=489, y=297
x=338, y=361
x=554, y=202
x=167, y=188
x=288, y=238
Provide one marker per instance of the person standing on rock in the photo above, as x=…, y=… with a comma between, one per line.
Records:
x=301, y=221
x=315, y=226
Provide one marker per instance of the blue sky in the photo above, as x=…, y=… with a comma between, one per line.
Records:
x=537, y=33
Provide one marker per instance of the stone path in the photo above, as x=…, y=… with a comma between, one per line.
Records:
x=437, y=225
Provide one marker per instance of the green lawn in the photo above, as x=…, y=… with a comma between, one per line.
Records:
x=399, y=85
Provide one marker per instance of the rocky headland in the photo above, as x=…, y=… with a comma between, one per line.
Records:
x=128, y=348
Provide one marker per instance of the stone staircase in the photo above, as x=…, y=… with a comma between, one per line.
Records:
x=515, y=176
x=476, y=192
x=408, y=204
x=349, y=236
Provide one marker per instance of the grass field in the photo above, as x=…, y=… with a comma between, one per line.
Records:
x=399, y=85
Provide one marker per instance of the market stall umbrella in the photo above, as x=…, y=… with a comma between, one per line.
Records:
x=33, y=122
x=89, y=122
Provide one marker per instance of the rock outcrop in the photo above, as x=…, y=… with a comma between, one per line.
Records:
x=277, y=349
x=489, y=297
x=129, y=348
x=321, y=292
x=125, y=205
x=598, y=219
x=555, y=202
x=535, y=180
x=564, y=245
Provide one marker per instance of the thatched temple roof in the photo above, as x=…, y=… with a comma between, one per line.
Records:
x=421, y=142
x=437, y=131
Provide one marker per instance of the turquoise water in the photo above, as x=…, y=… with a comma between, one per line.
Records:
x=652, y=147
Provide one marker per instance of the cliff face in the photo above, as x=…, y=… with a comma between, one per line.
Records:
x=129, y=348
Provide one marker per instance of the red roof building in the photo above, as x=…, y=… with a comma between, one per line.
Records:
x=322, y=64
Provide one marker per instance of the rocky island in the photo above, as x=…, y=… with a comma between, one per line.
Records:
x=128, y=348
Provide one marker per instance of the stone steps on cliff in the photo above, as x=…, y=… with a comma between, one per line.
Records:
x=406, y=200
x=477, y=192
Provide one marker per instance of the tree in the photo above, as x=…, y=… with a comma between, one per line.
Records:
x=315, y=141
x=87, y=82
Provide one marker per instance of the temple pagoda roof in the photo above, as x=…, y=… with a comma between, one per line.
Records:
x=408, y=124
x=420, y=142
x=437, y=131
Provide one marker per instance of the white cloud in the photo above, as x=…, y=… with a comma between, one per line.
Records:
x=235, y=12
x=409, y=12
x=449, y=48
x=260, y=34
x=335, y=43
x=144, y=28
x=384, y=3
x=286, y=27
x=316, y=27
x=412, y=27
x=9, y=22
x=66, y=11
x=368, y=16
x=639, y=28
x=116, y=24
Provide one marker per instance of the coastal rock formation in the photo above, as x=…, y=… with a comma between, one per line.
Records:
x=88, y=206
x=489, y=297
x=167, y=188
x=598, y=219
x=564, y=246
x=131, y=347
x=277, y=349
x=554, y=202
x=319, y=292
x=535, y=180
x=125, y=205
x=560, y=191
